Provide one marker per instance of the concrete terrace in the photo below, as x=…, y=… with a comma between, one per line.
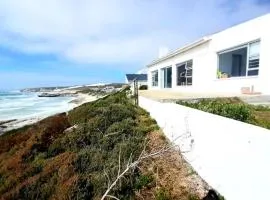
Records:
x=167, y=95
x=171, y=96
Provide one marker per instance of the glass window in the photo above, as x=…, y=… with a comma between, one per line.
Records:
x=240, y=61
x=184, y=73
x=253, y=72
x=254, y=59
x=155, y=78
x=254, y=49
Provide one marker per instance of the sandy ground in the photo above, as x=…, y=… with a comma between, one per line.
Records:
x=83, y=98
x=14, y=124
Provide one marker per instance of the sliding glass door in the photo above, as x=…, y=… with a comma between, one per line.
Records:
x=167, y=77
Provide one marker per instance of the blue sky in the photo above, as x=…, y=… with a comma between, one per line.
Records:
x=68, y=42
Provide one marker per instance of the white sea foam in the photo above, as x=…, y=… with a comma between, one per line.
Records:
x=16, y=105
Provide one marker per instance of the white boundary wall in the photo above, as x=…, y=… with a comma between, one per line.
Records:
x=231, y=156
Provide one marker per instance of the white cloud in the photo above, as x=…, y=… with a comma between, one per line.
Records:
x=119, y=31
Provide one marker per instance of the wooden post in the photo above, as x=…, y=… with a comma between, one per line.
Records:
x=136, y=93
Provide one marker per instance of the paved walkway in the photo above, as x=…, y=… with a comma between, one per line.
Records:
x=167, y=95
x=257, y=100
x=174, y=95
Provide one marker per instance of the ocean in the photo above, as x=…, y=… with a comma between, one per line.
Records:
x=17, y=105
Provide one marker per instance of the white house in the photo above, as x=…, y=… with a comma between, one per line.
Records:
x=235, y=60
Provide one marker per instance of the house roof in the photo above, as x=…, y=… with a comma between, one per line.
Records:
x=181, y=50
x=139, y=77
x=200, y=41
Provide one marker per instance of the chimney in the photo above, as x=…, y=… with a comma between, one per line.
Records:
x=163, y=51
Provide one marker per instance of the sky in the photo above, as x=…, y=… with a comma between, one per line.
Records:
x=73, y=42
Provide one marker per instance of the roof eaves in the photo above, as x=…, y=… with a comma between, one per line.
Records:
x=180, y=50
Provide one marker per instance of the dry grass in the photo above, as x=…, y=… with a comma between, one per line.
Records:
x=171, y=172
x=262, y=115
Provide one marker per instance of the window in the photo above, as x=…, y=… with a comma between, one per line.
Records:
x=254, y=59
x=184, y=73
x=155, y=78
x=240, y=61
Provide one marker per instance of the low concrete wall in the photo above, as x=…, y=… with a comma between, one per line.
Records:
x=233, y=157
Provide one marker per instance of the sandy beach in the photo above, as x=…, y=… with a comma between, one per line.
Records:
x=8, y=125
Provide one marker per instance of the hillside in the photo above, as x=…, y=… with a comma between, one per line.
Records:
x=77, y=156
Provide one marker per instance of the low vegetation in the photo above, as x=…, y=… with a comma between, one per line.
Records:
x=90, y=91
x=46, y=162
x=143, y=87
x=76, y=156
x=233, y=108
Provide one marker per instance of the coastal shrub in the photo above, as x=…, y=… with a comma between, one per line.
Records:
x=97, y=108
x=49, y=162
x=41, y=189
x=233, y=108
x=52, y=128
x=13, y=138
x=144, y=181
x=89, y=160
x=83, y=189
x=238, y=111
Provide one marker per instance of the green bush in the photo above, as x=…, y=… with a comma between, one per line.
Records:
x=238, y=111
x=233, y=108
x=90, y=160
x=143, y=87
x=41, y=189
x=143, y=181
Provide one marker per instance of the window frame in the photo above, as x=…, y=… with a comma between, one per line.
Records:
x=154, y=78
x=245, y=45
x=179, y=65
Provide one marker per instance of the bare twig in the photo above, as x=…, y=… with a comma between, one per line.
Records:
x=114, y=183
x=131, y=165
x=119, y=162
x=111, y=134
x=100, y=131
x=109, y=180
x=112, y=197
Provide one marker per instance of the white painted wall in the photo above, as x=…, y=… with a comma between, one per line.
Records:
x=231, y=156
x=199, y=57
x=205, y=60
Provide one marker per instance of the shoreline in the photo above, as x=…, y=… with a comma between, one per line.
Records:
x=11, y=124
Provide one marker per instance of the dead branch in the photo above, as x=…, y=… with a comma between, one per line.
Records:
x=112, y=197
x=131, y=165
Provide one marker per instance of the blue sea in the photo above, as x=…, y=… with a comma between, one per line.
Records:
x=17, y=105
